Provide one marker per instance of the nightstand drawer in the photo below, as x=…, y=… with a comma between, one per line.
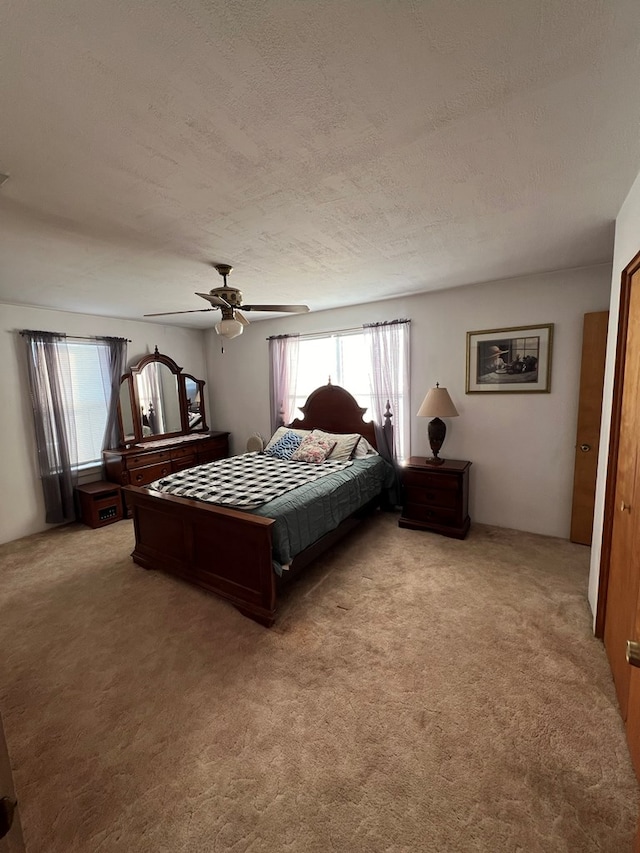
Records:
x=432, y=514
x=431, y=497
x=424, y=479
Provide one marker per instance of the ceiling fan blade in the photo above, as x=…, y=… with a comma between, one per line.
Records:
x=238, y=315
x=215, y=300
x=289, y=309
x=167, y=313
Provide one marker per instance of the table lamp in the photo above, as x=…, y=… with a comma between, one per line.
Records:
x=437, y=404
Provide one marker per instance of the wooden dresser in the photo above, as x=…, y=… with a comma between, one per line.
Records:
x=146, y=462
x=436, y=497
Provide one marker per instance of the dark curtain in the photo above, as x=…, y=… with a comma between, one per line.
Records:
x=47, y=363
x=113, y=363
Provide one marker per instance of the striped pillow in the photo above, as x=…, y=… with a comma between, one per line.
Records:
x=344, y=444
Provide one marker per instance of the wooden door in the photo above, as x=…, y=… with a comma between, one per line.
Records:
x=12, y=841
x=594, y=349
x=623, y=509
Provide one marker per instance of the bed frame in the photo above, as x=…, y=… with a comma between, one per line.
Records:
x=229, y=552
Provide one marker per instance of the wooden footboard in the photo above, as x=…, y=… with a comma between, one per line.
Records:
x=221, y=550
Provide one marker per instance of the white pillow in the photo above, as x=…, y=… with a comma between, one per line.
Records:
x=282, y=430
x=346, y=443
x=364, y=448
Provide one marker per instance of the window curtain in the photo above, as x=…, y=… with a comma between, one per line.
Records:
x=389, y=380
x=113, y=363
x=283, y=359
x=47, y=363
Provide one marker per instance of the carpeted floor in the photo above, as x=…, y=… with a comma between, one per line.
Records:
x=417, y=694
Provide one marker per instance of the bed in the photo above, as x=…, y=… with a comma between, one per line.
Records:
x=245, y=556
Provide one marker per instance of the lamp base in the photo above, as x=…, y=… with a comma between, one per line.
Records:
x=436, y=430
x=435, y=460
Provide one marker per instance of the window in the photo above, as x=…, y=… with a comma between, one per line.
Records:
x=345, y=358
x=86, y=397
x=73, y=385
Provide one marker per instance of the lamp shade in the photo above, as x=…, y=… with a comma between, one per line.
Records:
x=437, y=404
x=229, y=328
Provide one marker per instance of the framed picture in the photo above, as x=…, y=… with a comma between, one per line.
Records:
x=509, y=360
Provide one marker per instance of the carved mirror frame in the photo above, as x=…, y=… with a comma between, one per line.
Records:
x=129, y=379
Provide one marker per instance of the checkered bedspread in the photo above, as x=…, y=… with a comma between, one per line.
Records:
x=245, y=481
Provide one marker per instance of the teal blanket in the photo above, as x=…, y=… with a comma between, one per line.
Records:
x=308, y=512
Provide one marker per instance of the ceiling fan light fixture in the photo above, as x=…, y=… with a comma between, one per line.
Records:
x=229, y=328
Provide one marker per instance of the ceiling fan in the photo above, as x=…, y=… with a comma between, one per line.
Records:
x=228, y=300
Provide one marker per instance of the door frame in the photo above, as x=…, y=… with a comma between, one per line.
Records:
x=614, y=442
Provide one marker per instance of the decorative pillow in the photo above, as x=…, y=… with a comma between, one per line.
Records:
x=285, y=446
x=282, y=431
x=344, y=443
x=313, y=449
x=364, y=448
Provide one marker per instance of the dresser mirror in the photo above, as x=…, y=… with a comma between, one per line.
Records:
x=158, y=395
x=194, y=389
x=127, y=430
x=158, y=400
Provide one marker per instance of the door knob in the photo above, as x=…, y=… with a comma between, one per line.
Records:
x=585, y=448
x=633, y=653
x=624, y=507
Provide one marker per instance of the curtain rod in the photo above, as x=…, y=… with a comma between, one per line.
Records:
x=339, y=331
x=76, y=337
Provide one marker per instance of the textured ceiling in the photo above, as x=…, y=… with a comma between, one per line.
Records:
x=333, y=152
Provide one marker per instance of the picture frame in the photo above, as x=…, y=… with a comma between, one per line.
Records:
x=510, y=361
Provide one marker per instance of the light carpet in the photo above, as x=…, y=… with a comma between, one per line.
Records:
x=416, y=694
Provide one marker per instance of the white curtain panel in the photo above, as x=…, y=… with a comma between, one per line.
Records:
x=389, y=379
x=283, y=358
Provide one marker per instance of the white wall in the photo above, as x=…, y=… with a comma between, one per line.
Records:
x=627, y=246
x=521, y=445
x=22, y=506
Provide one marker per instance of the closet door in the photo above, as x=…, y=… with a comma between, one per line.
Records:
x=11, y=840
x=621, y=614
x=594, y=350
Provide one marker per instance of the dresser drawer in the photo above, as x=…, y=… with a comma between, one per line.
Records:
x=426, y=480
x=145, y=459
x=431, y=497
x=180, y=452
x=214, y=450
x=183, y=462
x=142, y=476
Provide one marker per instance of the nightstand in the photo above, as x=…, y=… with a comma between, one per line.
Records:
x=436, y=497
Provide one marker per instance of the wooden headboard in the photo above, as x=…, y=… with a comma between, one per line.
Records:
x=332, y=409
